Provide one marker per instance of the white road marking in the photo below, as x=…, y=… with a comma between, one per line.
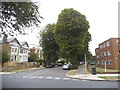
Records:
x=57, y=78
x=66, y=78
x=41, y=77
x=33, y=77
x=84, y=80
x=75, y=79
x=48, y=77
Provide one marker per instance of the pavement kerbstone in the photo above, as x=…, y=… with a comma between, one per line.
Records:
x=22, y=70
x=92, y=77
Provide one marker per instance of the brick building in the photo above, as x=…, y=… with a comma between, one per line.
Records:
x=37, y=50
x=109, y=51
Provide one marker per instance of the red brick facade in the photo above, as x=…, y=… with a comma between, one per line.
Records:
x=109, y=51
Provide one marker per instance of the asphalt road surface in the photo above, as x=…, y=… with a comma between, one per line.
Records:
x=50, y=78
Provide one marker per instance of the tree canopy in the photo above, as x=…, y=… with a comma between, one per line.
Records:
x=48, y=43
x=71, y=34
x=17, y=15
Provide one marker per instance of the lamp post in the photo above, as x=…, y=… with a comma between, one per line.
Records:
x=105, y=62
x=85, y=62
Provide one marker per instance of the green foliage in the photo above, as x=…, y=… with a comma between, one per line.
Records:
x=48, y=43
x=74, y=67
x=33, y=58
x=17, y=15
x=5, y=56
x=71, y=34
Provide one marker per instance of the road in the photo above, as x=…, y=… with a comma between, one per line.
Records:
x=50, y=78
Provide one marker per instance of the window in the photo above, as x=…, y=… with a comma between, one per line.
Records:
x=104, y=45
x=109, y=53
x=15, y=49
x=12, y=49
x=110, y=62
x=118, y=51
x=107, y=43
x=101, y=54
x=102, y=62
x=98, y=62
x=104, y=53
x=97, y=56
x=100, y=46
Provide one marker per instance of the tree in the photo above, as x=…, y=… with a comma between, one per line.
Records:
x=71, y=34
x=33, y=57
x=48, y=43
x=17, y=15
x=5, y=56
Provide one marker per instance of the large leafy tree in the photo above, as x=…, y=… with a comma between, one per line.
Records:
x=14, y=16
x=71, y=34
x=48, y=43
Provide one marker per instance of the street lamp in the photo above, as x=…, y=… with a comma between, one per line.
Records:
x=105, y=62
x=85, y=63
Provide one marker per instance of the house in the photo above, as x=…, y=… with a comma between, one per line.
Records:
x=18, y=51
x=109, y=51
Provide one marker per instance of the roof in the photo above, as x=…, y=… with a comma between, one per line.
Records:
x=10, y=39
x=24, y=42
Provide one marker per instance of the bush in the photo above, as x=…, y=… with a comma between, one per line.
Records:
x=74, y=67
x=5, y=57
x=33, y=58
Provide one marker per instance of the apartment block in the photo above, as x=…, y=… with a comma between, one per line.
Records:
x=37, y=50
x=109, y=52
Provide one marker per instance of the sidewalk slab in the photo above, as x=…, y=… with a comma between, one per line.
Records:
x=22, y=70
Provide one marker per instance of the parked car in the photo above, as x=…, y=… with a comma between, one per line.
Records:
x=60, y=64
x=67, y=66
x=50, y=65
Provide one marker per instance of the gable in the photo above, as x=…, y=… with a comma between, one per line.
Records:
x=15, y=42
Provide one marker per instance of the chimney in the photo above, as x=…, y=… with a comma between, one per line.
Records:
x=5, y=38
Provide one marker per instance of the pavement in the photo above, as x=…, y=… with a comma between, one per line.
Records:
x=81, y=74
x=17, y=71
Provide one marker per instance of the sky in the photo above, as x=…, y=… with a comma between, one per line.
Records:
x=101, y=14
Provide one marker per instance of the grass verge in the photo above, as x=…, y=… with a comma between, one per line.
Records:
x=99, y=69
x=110, y=77
x=71, y=72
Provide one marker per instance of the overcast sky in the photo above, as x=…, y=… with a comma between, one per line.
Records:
x=101, y=14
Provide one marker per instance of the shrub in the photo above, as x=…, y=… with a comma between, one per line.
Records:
x=5, y=57
x=33, y=58
x=74, y=67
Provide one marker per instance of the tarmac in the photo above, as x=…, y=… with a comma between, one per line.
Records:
x=80, y=74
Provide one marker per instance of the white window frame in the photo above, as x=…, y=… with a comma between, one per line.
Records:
x=108, y=43
x=110, y=62
x=103, y=62
x=101, y=46
x=105, y=54
x=109, y=53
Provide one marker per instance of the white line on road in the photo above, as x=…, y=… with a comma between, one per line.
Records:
x=75, y=79
x=66, y=78
x=33, y=77
x=48, y=77
x=57, y=78
x=41, y=77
